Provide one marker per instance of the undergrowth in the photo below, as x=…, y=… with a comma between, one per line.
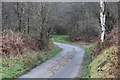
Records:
x=103, y=66
x=17, y=65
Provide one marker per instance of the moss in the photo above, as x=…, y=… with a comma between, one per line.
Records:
x=105, y=54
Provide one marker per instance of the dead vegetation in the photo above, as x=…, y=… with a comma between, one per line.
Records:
x=110, y=40
x=17, y=43
x=110, y=66
x=90, y=39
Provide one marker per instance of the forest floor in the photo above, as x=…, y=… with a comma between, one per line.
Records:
x=65, y=64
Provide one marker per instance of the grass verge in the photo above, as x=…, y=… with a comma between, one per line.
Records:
x=60, y=38
x=86, y=63
x=15, y=66
x=65, y=39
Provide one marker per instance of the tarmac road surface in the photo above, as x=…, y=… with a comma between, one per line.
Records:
x=66, y=64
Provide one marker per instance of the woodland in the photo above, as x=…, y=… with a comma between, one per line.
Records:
x=30, y=28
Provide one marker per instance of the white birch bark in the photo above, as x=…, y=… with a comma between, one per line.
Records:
x=102, y=19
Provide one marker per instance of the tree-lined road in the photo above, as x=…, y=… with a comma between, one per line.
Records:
x=66, y=64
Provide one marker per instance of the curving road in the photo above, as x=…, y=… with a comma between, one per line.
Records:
x=66, y=64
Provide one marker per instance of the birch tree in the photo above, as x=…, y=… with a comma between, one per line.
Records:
x=102, y=19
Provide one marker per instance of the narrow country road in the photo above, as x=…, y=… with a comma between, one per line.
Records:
x=66, y=64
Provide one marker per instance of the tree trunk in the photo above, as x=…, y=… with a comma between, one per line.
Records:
x=102, y=19
x=28, y=27
x=19, y=17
